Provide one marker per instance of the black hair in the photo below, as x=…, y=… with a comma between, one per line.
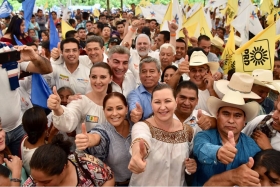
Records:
x=14, y=29
x=85, y=15
x=5, y=172
x=146, y=30
x=119, y=23
x=105, y=66
x=269, y=159
x=180, y=40
x=162, y=87
x=106, y=25
x=203, y=37
x=230, y=73
x=114, y=94
x=81, y=28
x=101, y=15
x=186, y=84
x=89, y=22
x=99, y=25
x=46, y=45
x=70, y=34
x=39, y=10
x=34, y=121
x=51, y=158
x=65, y=88
x=223, y=29
x=33, y=16
x=166, y=35
x=69, y=40
x=71, y=21
x=170, y=67
x=91, y=34
x=276, y=59
x=32, y=44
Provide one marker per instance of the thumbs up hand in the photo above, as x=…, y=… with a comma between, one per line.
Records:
x=136, y=114
x=54, y=100
x=245, y=176
x=82, y=139
x=184, y=66
x=227, y=152
x=137, y=162
x=203, y=120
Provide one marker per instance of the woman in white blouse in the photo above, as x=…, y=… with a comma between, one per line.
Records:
x=89, y=108
x=160, y=145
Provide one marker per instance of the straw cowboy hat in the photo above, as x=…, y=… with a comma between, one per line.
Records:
x=264, y=78
x=198, y=58
x=218, y=42
x=241, y=82
x=233, y=99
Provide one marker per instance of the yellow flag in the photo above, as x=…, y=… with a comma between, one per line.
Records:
x=137, y=10
x=65, y=27
x=157, y=2
x=199, y=17
x=46, y=5
x=143, y=3
x=257, y=53
x=230, y=10
x=267, y=6
x=228, y=53
x=96, y=12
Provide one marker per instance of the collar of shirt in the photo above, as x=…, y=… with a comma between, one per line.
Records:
x=64, y=65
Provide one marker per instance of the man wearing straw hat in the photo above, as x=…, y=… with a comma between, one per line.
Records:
x=226, y=148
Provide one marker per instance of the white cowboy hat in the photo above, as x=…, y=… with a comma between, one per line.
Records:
x=241, y=82
x=264, y=78
x=233, y=99
x=198, y=58
x=218, y=42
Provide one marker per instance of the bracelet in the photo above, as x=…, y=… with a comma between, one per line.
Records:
x=173, y=34
x=145, y=143
x=133, y=30
x=15, y=180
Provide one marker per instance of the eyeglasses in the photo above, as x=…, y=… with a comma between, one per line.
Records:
x=200, y=71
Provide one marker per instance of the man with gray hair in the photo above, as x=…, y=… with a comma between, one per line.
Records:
x=167, y=54
x=139, y=100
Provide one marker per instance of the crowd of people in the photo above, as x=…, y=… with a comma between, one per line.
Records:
x=133, y=106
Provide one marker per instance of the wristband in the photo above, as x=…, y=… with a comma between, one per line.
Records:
x=173, y=34
x=15, y=180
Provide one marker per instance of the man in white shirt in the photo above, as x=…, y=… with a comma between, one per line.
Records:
x=94, y=49
x=10, y=110
x=71, y=72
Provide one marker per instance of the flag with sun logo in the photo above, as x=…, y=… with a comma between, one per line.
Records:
x=228, y=53
x=257, y=53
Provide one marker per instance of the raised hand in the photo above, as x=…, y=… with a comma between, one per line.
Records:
x=227, y=152
x=203, y=121
x=245, y=176
x=54, y=100
x=136, y=114
x=137, y=163
x=184, y=66
x=172, y=27
x=82, y=139
x=55, y=54
x=262, y=140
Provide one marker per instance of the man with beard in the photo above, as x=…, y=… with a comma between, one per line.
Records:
x=143, y=46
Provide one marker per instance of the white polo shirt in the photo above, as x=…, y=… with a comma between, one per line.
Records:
x=83, y=59
x=134, y=62
x=61, y=76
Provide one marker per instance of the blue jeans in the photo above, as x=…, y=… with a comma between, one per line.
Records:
x=13, y=139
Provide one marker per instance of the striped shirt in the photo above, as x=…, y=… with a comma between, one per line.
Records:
x=113, y=149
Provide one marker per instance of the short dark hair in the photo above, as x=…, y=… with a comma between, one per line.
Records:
x=51, y=164
x=34, y=121
x=186, y=84
x=96, y=39
x=223, y=29
x=5, y=172
x=102, y=15
x=85, y=15
x=70, y=34
x=89, y=22
x=31, y=44
x=68, y=40
x=39, y=10
x=99, y=25
x=81, y=28
x=119, y=23
x=180, y=40
x=106, y=25
x=54, y=12
x=268, y=159
x=71, y=21
x=203, y=37
x=166, y=35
